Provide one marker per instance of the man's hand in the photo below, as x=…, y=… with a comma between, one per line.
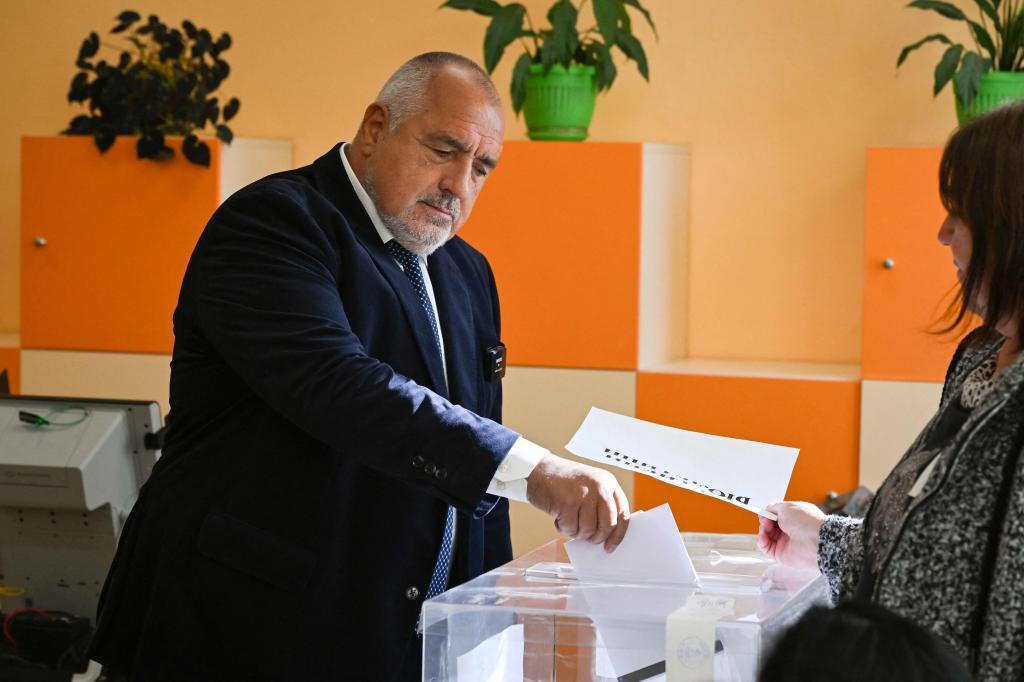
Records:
x=586, y=502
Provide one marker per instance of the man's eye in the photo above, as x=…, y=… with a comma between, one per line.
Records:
x=443, y=153
x=480, y=171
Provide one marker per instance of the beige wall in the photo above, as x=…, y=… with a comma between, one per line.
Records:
x=777, y=101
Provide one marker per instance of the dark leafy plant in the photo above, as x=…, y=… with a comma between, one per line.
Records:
x=562, y=43
x=161, y=84
x=998, y=43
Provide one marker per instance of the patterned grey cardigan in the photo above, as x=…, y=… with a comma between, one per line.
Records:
x=943, y=572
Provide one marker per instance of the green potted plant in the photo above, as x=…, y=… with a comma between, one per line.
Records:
x=162, y=84
x=556, y=80
x=987, y=73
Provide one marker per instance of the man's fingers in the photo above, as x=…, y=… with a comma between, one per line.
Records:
x=622, y=502
x=568, y=522
x=607, y=517
x=617, y=534
x=588, y=517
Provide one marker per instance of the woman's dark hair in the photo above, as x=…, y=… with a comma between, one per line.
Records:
x=859, y=641
x=981, y=182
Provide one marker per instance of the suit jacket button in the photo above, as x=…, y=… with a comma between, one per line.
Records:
x=412, y=593
x=417, y=462
x=441, y=473
x=430, y=469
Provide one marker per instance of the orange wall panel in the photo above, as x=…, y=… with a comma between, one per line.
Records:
x=119, y=232
x=820, y=417
x=902, y=215
x=10, y=359
x=560, y=224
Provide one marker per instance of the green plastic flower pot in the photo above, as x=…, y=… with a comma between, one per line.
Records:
x=560, y=104
x=997, y=88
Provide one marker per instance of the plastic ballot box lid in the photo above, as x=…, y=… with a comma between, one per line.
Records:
x=534, y=619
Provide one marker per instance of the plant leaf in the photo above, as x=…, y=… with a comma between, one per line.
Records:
x=935, y=37
x=647, y=15
x=90, y=46
x=968, y=78
x=230, y=109
x=606, y=71
x=190, y=29
x=128, y=17
x=487, y=8
x=504, y=28
x=634, y=50
x=195, y=151
x=224, y=134
x=79, y=90
x=520, y=76
x=1013, y=42
x=946, y=67
x=984, y=39
x=607, y=14
x=149, y=145
x=992, y=12
x=80, y=125
x=948, y=10
x=564, y=39
x=105, y=138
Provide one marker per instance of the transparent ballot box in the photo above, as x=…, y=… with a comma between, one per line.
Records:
x=532, y=619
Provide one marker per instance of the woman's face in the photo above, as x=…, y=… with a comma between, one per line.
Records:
x=954, y=234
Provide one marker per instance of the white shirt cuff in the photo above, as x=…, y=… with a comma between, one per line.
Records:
x=510, y=478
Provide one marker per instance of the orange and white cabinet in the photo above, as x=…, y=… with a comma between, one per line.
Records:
x=588, y=243
x=909, y=280
x=10, y=360
x=105, y=239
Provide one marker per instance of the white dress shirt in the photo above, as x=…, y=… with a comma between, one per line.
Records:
x=510, y=478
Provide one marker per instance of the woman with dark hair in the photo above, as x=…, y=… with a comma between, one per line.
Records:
x=859, y=641
x=943, y=541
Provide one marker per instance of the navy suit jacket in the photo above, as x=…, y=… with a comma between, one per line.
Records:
x=291, y=527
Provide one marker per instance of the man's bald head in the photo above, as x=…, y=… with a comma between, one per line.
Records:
x=405, y=92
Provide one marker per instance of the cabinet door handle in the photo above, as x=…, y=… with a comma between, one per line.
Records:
x=40, y=242
x=888, y=264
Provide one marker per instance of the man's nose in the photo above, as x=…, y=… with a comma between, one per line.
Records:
x=458, y=179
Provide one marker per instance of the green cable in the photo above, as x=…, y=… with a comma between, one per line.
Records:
x=45, y=420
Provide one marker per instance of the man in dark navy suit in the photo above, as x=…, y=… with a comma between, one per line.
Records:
x=334, y=454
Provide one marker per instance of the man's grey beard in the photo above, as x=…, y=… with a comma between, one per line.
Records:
x=421, y=242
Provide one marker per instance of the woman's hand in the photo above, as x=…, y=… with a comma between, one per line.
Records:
x=793, y=539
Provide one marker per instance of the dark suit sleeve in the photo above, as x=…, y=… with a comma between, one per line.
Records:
x=270, y=306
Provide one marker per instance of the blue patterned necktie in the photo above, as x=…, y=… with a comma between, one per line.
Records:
x=411, y=265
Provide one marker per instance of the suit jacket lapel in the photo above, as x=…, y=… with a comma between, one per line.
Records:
x=456, y=313
x=414, y=312
x=334, y=183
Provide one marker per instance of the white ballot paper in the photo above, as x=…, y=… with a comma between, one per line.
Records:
x=745, y=473
x=652, y=554
x=651, y=551
x=496, y=659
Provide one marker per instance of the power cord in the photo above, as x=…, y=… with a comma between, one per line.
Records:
x=38, y=420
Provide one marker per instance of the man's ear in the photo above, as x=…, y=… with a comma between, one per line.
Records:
x=373, y=128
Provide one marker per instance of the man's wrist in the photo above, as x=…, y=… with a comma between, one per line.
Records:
x=511, y=478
